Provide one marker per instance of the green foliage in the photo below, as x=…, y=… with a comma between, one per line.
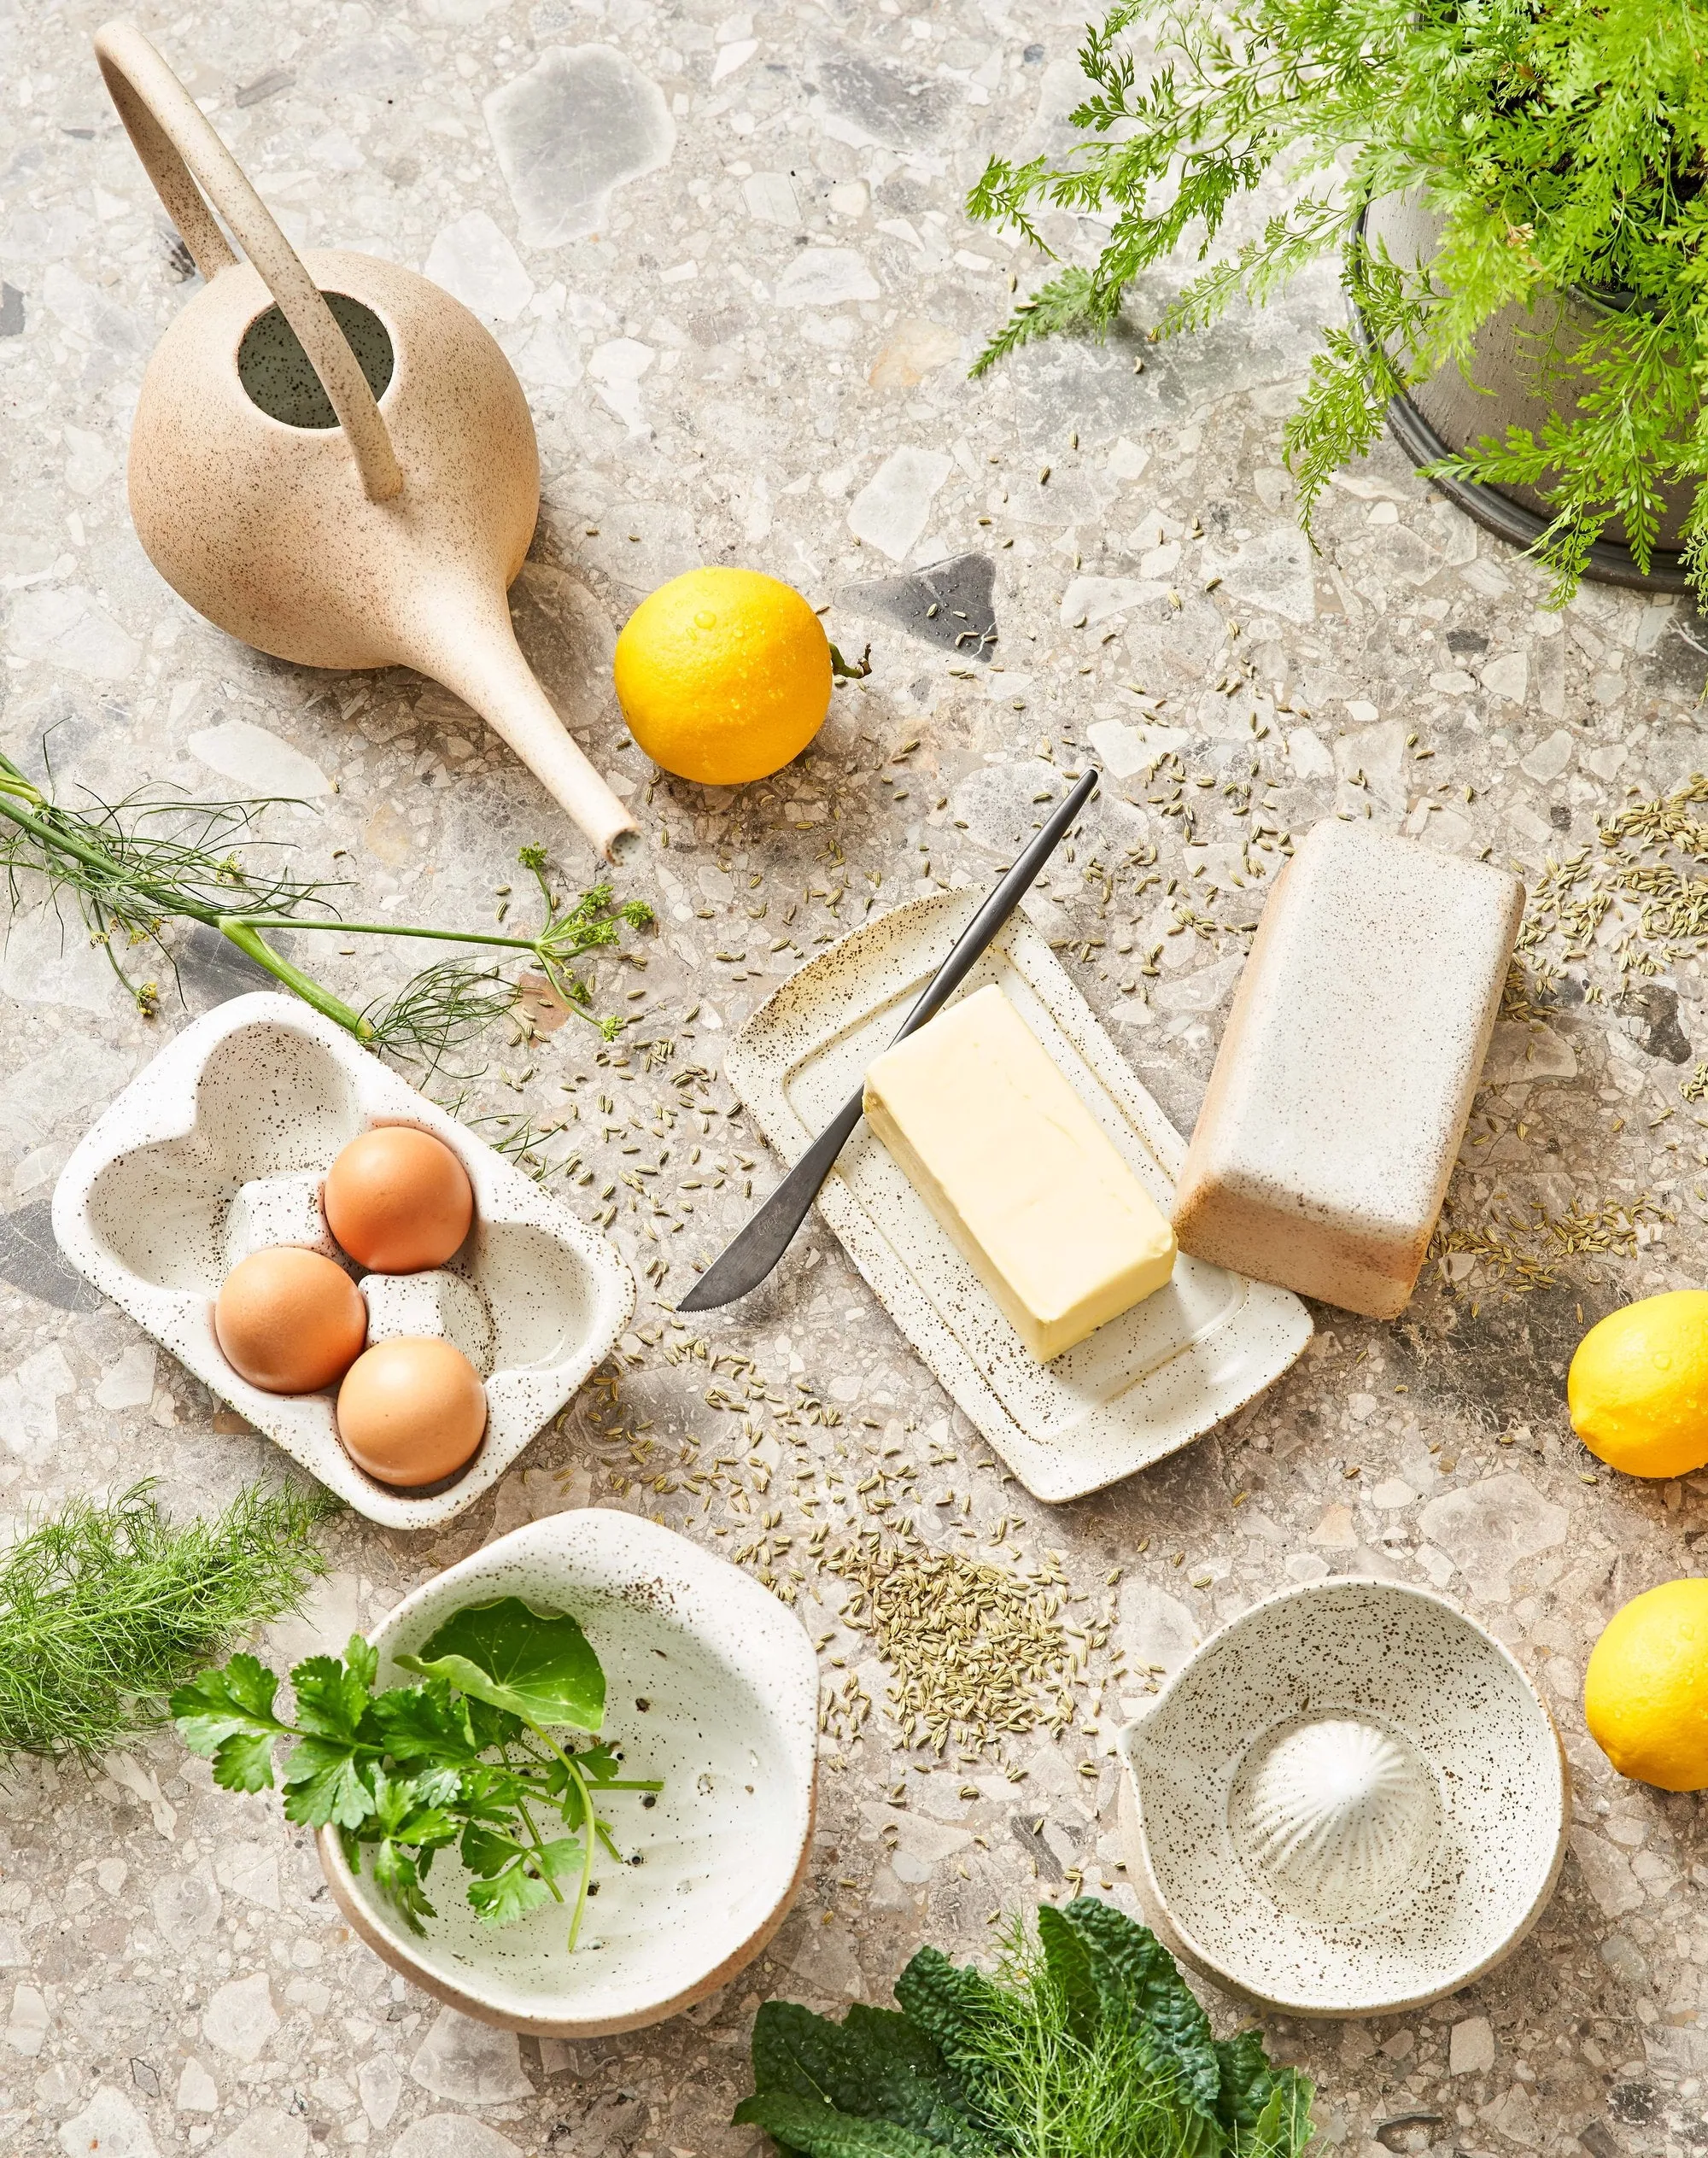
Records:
x=1084, y=2044
x=407, y=1771
x=136, y=868
x=1562, y=144
x=105, y=1608
x=538, y=1666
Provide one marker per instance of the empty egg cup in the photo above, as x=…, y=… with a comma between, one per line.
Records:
x=1351, y=1800
x=219, y=1147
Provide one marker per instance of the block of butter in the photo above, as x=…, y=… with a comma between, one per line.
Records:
x=1019, y=1172
x=1342, y=1083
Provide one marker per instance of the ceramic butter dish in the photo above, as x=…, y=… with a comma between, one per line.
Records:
x=1343, y=1085
x=1140, y=1387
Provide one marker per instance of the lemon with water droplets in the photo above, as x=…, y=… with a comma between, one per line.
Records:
x=723, y=676
x=1646, y=1691
x=1638, y=1387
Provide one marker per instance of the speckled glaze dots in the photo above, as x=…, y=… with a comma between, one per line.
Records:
x=226, y=1137
x=1349, y=1801
x=1342, y=1087
x=711, y=1684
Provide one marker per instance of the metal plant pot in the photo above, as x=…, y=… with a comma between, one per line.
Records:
x=1502, y=388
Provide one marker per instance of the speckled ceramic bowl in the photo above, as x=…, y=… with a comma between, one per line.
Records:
x=1350, y=1801
x=731, y=1724
x=220, y=1146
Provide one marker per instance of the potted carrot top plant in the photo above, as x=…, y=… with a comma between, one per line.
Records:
x=1515, y=190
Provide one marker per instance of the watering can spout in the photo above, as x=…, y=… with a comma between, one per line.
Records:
x=469, y=645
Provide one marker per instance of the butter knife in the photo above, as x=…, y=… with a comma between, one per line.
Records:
x=745, y=1261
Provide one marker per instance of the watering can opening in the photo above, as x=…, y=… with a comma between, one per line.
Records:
x=279, y=377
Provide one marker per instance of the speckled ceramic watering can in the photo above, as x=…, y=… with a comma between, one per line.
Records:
x=331, y=458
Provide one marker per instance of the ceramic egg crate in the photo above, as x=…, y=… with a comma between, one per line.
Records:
x=219, y=1148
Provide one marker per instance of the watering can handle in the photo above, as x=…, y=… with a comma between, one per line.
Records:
x=191, y=168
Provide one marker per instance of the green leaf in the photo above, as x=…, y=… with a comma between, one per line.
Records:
x=243, y=1762
x=324, y=1783
x=538, y=1666
x=889, y=2030
x=818, y=2131
x=218, y=1704
x=561, y=1859
x=1133, y=1965
x=398, y=1873
x=598, y=1763
x=864, y=2066
x=1068, y=1962
x=362, y=1661
x=1247, y=2079
x=421, y=1723
x=508, y=1895
x=493, y=1727
x=414, y=1809
x=490, y=1794
x=951, y=2005
x=330, y=1697
x=486, y=1850
x=1283, y=2128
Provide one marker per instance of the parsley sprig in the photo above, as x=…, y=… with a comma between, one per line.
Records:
x=467, y=1757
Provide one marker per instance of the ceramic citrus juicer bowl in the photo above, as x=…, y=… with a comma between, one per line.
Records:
x=331, y=458
x=1350, y=1801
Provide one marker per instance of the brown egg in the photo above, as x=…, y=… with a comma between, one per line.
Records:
x=398, y=1200
x=289, y=1321
x=412, y=1411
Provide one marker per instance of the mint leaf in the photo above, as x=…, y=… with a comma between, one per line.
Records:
x=238, y=1698
x=536, y=1664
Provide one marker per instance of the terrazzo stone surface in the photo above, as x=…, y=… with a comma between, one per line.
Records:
x=726, y=253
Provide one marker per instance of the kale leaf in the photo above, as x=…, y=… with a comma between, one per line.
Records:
x=1083, y=2043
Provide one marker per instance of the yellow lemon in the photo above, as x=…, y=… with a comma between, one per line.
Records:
x=723, y=676
x=1646, y=1692
x=1638, y=1387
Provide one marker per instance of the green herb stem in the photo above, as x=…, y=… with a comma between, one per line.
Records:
x=136, y=866
x=588, y=1846
x=246, y=936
